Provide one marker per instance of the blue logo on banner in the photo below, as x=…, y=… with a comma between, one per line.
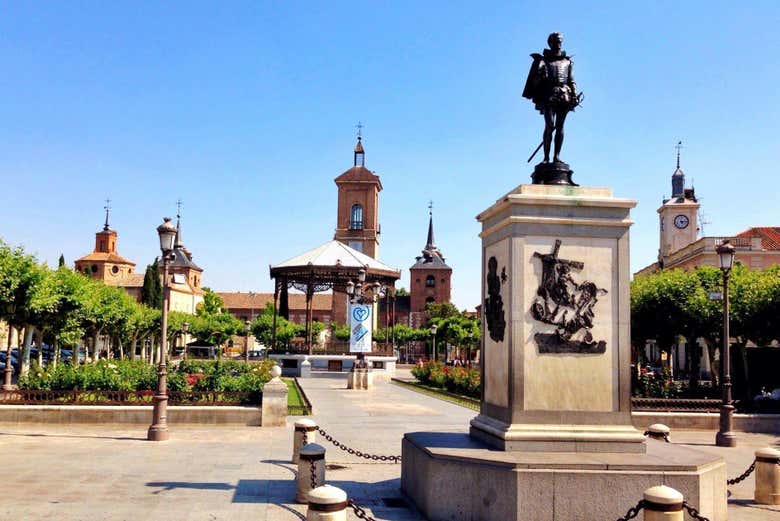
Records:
x=359, y=332
x=361, y=313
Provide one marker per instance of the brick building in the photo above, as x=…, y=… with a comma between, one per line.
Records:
x=248, y=305
x=106, y=265
x=429, y=279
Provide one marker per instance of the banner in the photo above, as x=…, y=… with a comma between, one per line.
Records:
x=360, y=322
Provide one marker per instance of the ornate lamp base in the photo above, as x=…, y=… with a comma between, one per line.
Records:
x=158, y=433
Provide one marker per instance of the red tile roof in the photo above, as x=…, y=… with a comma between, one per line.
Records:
x=770, y=236
x=258, y=301
x=359, y=174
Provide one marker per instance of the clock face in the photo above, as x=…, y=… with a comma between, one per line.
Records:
x=681, y=221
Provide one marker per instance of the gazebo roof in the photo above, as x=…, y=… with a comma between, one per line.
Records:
x=335, y=259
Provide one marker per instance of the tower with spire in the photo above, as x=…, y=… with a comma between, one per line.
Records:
x=104, y=263
x=185, y=282
x=357, y=213
x=678, y=215
x=430, y=275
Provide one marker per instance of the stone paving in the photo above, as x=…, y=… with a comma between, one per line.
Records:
x=102, y=472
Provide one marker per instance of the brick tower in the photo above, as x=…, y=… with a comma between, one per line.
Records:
x=357, y=217
x=429, y=277
x=104, y=263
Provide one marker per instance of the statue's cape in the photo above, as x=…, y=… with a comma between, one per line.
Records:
x=532, y=83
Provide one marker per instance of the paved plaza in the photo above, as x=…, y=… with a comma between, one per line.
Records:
x=210, y=473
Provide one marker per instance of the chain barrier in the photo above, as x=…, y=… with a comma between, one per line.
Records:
x=693, y=512
x=665, y=436
x=742, y=476
x=633, y=511
x=373, y=457
x=359, y=512
x=313, y=468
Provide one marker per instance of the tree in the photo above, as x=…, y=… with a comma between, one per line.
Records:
x=402, y=292
x=216, y=328
x=262, y=328
x=151, y=292
x=212, y=303
x=440, y=310
x=19, y=273
x=61, y=261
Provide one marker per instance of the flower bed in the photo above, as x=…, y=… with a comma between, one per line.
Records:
x=196, y=382
x=458, y=380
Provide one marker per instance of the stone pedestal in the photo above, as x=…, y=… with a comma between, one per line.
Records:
x=360, y=378
x=556, y=382
x=550, y=486
x=274, y=406
x=556, y=348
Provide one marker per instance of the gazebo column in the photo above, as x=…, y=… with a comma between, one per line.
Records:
x=276, y=312
x=309, y=297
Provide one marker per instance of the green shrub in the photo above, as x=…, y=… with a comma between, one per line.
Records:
x=458, y=380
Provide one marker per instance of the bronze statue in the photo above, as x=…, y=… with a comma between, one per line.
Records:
x=550, y=85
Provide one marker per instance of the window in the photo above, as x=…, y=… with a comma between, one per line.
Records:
x=356, y=217
x=114, y=270
x=94, y=268
x=178, y=278
x=430, y=281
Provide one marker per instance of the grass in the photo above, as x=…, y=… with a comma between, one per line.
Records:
x=296, y=405
x=441, y=394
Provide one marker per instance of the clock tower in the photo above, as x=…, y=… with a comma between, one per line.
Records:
x=678, y=216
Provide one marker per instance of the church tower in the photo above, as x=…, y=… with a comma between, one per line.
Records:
x=678, y=216
x=430, y=276
x=104, y=263
x=357, y=217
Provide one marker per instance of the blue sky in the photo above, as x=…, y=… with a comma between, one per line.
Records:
x=246, y=111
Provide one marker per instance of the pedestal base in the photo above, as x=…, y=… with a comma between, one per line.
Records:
x=492, y=484
x=555, y=173
x=557, y=438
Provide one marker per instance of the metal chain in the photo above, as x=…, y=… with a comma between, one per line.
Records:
x=633, y=511
x=693, y=512
x=665, y=436
x=742, y=476
x=359, y=512
x=313, y=468
x=373, y=457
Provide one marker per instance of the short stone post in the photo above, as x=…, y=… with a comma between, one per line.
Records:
x=663, y=503
x=305, y=368
x=327, y=503
x=305, y=432
x=274, y=406
x=659, y=431
x=768, y=476
x=310, y=455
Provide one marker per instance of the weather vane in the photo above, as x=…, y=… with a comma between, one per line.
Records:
x=430, y=207
x=107, y=208
x=359, y=126
x=678, y=146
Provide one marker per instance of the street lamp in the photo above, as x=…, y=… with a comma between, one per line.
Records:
x=434, y=329
x=185, y=329
x=158, y=430
x=725, y=436
x=248, y=326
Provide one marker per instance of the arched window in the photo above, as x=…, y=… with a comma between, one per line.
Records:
x=430, y=300
x=356, y=217
x=430, y=281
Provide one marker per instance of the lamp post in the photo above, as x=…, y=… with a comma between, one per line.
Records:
x=248, y=326
x=185, y=329
x=434, y=329
x=158, y=430
x=725, y=436
x=360, y=294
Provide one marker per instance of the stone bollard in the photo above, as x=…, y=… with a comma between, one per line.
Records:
x=659, y=431
x=663, y=503
x=767, y=476
x=305, y=432
x=310, y=455
x=305, y=368
x=274, y=405
x=327, y=503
